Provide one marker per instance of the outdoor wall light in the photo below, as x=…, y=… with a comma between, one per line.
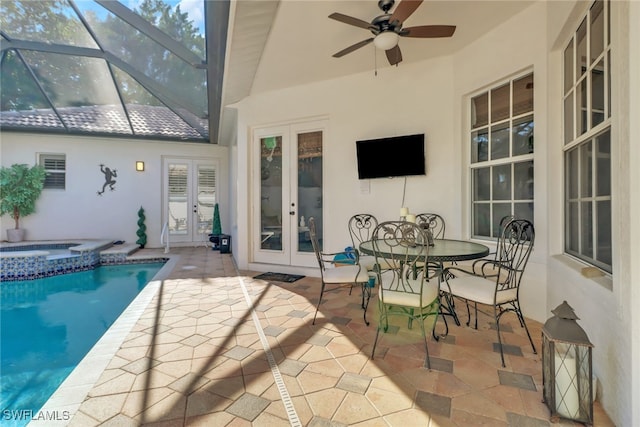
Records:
x=140, y=166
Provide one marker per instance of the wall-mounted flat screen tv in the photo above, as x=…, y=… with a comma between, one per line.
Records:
x=392, y=156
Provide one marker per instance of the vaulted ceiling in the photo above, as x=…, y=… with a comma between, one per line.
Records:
x=278, y=44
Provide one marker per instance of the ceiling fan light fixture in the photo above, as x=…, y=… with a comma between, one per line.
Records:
x=386, y=40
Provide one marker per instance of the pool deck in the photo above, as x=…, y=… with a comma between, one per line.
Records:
x=208, y=345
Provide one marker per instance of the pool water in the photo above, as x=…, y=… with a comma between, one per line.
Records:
x=48, y=325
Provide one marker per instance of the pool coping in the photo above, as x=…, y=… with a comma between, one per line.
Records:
x=63, y=404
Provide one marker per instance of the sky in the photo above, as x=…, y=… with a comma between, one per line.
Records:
x=193, y=8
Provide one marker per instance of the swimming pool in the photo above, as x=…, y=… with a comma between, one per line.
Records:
x=48, y=325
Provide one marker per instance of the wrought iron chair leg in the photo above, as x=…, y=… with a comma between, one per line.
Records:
x=475, y=304
x=426, y=346
x=446, y=327
x=365, y=301
x=496, y=316
x=318, y=306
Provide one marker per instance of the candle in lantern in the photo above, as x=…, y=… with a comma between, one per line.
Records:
x=411, y=218
x=566, y=387
x=404, y=211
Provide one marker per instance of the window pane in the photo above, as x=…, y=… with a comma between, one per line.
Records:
x=572, y=168
x=522, y=136
x=581, y=49
x=572, y=237
x=523, y=181
x=81, y=82
x=479, y=146
x=523, y=210
x=500, y=141
x=568, y=118
x=523, y=95
x=581, y=101
x=480, y=110
x=500, y=210
x=481, y=184
x=481, y=219
x=597, y=30
x=586, y=170
x=604, y=232
x=53, y=22
x=603, y=164
x=500, y=103
x=502, y=182
x=19, y=90
x=586, y=229
x=568, y=67
x=597, y=94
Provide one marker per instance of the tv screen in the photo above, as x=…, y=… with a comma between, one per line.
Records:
x=393, y=156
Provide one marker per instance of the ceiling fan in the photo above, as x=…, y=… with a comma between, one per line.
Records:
x=387, y=29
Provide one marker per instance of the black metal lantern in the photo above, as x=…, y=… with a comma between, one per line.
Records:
x=566, y=367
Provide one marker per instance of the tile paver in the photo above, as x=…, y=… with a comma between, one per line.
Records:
x=199, y=360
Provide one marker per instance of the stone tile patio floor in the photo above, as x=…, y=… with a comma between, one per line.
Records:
x=215, y=347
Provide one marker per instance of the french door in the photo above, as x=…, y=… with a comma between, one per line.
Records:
x=189, y=198
x=287, y=187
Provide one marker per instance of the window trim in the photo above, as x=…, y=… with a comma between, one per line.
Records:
x=590, y=135
x=510, y=159
x=42, y=157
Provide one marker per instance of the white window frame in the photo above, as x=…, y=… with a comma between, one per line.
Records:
x=511, y=160
x=43, y=158
x=587, y=242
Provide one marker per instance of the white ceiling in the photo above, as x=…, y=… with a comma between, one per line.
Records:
x=277, y=44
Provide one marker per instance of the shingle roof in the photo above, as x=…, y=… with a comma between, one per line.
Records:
x=147, y=120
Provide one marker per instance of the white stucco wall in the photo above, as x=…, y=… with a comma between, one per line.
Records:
x=413, y=98
x=78, y=212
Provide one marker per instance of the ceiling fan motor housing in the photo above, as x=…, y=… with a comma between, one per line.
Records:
x=385, y=5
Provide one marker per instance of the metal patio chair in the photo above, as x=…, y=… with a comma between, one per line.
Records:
x=496, y=283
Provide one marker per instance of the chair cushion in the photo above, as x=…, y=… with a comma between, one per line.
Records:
x=407, y=299
x=478, y=289
x=345, y=274
x=367, y=261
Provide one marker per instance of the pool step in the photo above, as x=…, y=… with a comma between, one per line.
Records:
x=117, y=253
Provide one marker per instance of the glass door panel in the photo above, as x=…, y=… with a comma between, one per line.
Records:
x=309, y=180
x=288, y=182
x=271, y=193
x=178, y=199
x=189, y=199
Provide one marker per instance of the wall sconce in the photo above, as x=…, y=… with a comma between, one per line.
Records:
x=566, y=367
x=140, y=166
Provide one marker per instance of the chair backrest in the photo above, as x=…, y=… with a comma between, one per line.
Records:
x=361, y=228
x=314, y=242
x=514, y=249
x=401, y=250
x=432, y=222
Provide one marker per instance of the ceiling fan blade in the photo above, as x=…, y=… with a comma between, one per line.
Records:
x=404, y=10
x=350, y=20
x=429, y=31
x=353, y=47
x=394, y=55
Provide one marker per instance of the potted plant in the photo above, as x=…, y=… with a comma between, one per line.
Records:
x=20, y=187
x=142, y=229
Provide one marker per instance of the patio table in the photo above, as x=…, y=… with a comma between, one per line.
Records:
x=442, y=250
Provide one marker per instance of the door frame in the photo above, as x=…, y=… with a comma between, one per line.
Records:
x=289, y=233
x=192, y=237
